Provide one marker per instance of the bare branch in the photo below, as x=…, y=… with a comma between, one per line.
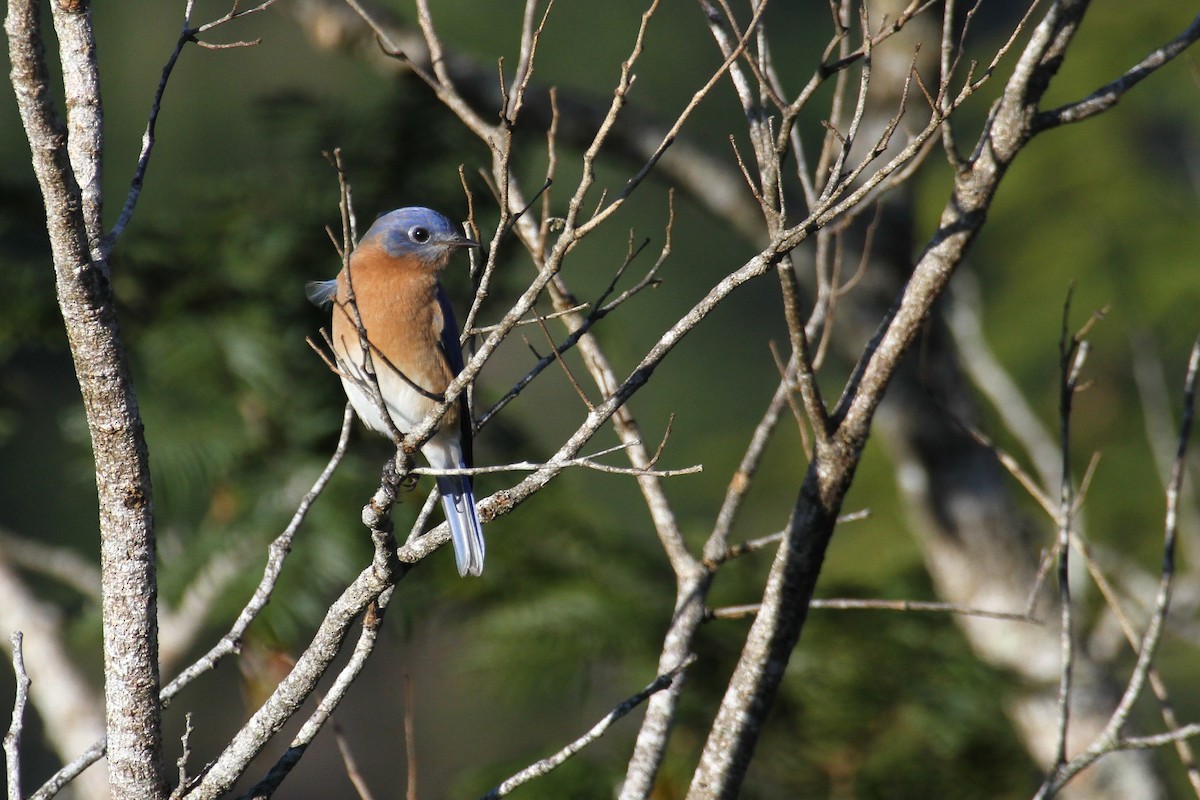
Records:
x=372, y=619
x=1108, y=740
x=85, y=115
x=1184, y=749
x=187, y=34
x=565, y=367
x=547, y=765
x=537, y=320
x=184, y=755
x=351, y=765
x=1072, y=352
x=12, y=739
x=367, y=589
x=1108, y=95
x=586, y=462
x=762, y=542
x=738, y=612
x=70, y=772
x=127, y=545
x=1145, y=742
x=670, y=136
x=277, y=554
x=790, y=583
x=410, y=740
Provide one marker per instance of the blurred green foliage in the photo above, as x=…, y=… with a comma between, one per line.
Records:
x=240, y=414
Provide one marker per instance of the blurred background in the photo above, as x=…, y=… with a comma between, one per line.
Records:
x=240, y=414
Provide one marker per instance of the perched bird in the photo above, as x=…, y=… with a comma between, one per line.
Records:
x=414, y=348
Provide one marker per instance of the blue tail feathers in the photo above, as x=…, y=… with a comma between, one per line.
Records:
x=458, y=501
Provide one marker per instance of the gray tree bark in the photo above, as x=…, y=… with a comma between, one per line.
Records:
x=66, y=162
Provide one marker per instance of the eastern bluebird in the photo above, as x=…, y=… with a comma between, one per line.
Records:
x=414, y=347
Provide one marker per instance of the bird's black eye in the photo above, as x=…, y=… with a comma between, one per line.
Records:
x=419, y=235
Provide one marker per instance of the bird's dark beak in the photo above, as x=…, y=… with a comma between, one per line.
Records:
x=458, y=240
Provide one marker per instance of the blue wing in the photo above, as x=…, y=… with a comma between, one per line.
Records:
x=449, y=342
x=321, y=293
x=452, y=352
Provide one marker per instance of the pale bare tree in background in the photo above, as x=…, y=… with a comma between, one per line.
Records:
x=890, y=112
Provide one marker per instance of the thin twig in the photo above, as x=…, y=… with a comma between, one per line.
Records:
x=1072, y=353
x=187, y=35
x=69, y=772
x=535, y=321
x=277, y=554
x=410, y=740
x=562, y=362
x=1158, y=740
x=585, y=462
x=551, y=763
x=1187, y=756
x=1109, y=739
x=841, y=604
x=185, y=754
x=754, y=545
x=351, y=765
x=671, y=135
x=363, y=373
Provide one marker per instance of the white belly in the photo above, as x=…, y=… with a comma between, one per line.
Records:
x=407, y=408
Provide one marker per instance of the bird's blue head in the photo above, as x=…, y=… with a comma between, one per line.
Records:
x=416, y=232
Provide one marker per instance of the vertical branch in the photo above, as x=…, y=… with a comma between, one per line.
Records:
x=1072, y=353
x=127, y=547
x=12, y=739
x=777, y=627
x=85, y=115
x=1110, y=738
x=1149, y=644
x=773, y=635
x=410, y=741
x=71, y=715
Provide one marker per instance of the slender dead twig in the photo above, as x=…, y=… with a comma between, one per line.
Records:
x=1110, y=738
x=586, y=462
x=277, y=554
x=368, y=636
x=187, y=35
x=410, y=740
x=351, y=765
x=562, y=362
x=762, y=542
x=181, y=764
x=856, y=604
x=1073, y=350
x=551, y=763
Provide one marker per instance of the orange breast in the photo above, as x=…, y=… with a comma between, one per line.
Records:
x=398, y=306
